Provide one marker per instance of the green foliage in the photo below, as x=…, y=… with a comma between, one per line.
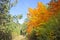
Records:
x=16, y=18
x=19, y=16
x=32, y=36
x=7, y=24
x=5, y=35
x=23, y=28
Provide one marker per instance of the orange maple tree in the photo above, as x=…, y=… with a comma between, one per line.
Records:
x=42, y=15
x=37, y=16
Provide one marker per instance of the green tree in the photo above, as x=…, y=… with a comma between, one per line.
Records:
x=7, y=24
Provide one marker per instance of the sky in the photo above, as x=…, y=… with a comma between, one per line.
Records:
x=22, y=7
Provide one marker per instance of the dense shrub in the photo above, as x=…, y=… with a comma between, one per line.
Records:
x=5, y=35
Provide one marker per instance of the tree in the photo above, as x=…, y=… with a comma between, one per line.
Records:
x=48, y=24
x=38, y=16
x=5, y=6
x=54, y=7
x=16, y=18
x=7, y=26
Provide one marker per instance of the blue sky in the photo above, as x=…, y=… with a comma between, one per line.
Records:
x=22, y=7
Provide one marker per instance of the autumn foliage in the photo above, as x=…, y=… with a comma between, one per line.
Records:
x=44, y=22
x=37, y=16
x=54, y=6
